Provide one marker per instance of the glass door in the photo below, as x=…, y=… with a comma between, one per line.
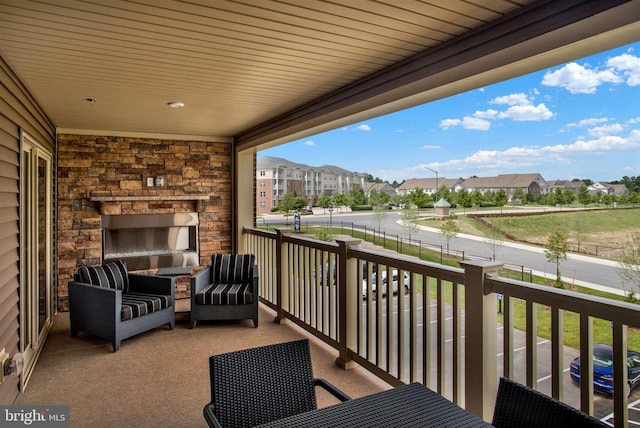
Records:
x=36, y=287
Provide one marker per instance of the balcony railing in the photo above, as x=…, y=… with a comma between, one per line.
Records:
x=443, y=331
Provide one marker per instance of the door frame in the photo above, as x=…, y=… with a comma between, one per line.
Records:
x=37, y=251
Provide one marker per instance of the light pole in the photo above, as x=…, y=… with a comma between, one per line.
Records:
x=433, y=170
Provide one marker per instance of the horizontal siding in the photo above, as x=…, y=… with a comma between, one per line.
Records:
x=18, y=111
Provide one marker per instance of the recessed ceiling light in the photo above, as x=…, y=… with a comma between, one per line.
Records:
x=175, y=105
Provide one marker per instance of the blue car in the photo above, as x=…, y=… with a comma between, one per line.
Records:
x=603, y=369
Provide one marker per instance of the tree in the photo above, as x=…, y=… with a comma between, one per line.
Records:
x=500, y=198
x=409, y=217
x=291, y=202
x=518, y=196
x=494, y=240
x=583, y=195
x=442, y=192
x=556, y=250
x=477, y=197
x=323, y=201
x=463, y=197
x=629, y=265
x=449, y=230
x=569, y=196
x=357, y=197
x=378, y=199
x=419, y=197
x=341, y=200
x=559, y=196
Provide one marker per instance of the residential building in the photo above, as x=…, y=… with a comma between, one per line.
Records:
x=533, y=184
x=429, y=185
x=604, y=188
x=275, y=177
x=380, y=188
x=573, y=185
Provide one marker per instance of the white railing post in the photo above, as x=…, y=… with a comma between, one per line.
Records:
x=481, y=322
x=349, y=297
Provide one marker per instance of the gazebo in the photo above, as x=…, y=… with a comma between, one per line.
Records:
x=442, y=208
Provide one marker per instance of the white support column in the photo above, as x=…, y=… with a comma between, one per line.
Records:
x=481, y=320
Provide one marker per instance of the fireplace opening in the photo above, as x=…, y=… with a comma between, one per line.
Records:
x=151, y=241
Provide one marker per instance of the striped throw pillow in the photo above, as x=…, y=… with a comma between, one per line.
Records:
x=231, y=268
x=109, y=275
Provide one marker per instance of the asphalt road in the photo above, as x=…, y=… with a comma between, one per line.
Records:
x=577, y=269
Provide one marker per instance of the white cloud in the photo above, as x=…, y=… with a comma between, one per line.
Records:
x=478, y=124
x=527, y=113
x=475, y=122
x=512, y=99
x=587, y=122
x=494, y=161
x=309, y=143
x=629, y=65
x=578, y=79
x=521, y=109
x=428, y=147
x=487, y=114
x=601, y=131
x=364, y=127
x=448, y=123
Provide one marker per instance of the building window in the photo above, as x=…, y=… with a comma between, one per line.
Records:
x=263, y=173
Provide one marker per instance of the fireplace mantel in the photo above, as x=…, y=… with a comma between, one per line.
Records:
x=198, y=199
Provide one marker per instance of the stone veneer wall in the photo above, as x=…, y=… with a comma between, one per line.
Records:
x=118, y=166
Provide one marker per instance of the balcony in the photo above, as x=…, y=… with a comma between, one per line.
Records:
x=315, y=289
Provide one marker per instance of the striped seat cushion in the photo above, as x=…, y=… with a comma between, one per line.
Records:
x=225, y=294
x=109, y=275
x=138, y=304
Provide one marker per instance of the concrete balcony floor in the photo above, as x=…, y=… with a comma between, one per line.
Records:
x=161, y=378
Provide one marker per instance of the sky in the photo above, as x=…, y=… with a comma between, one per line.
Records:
x=575, y=120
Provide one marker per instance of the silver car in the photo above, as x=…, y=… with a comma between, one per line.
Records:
x=385, y=287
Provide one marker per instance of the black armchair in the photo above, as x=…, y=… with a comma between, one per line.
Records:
x=260, y=385
x=520, y=406
x=108, y=302
x=226, y=290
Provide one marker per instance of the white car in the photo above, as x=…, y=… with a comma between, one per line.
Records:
x=385, y=287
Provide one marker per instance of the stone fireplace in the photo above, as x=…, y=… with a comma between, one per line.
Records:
x=106, y=179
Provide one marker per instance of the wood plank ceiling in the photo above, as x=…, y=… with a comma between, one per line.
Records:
x=235, y=64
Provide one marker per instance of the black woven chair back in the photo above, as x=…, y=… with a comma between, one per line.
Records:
x=520, y=406
x=259, y=385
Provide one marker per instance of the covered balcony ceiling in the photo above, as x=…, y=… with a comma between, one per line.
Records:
x=263, y=72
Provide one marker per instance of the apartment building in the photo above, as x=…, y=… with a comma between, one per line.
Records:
x=276, y=177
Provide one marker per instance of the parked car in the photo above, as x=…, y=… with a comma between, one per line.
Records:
x=385, y=287
x=603, y=369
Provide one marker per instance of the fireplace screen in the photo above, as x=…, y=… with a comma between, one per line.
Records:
x=151, y=241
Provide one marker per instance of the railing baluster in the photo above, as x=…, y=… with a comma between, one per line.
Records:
x=296, y=279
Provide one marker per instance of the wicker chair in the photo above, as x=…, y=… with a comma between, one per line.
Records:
x=226, y=290
x=520, y=406
x=260, y=385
